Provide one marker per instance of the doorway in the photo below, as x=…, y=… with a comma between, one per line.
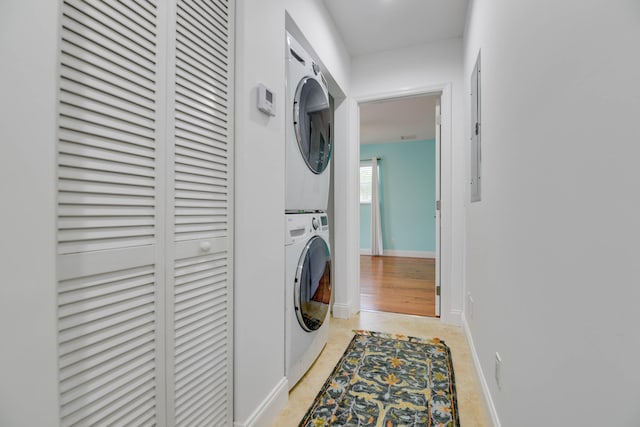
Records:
x=399, y=147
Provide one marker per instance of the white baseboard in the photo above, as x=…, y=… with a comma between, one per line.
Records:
x=409, y=254
x=266, y=413
x=488, y=400
x=406, y=254
x=341, y=311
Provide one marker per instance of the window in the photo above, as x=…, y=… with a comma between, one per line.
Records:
x=365, y=182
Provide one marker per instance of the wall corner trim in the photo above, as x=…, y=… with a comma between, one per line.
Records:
x=488, y=400
x=270, y=408
x=341, y=311
x=453, y=317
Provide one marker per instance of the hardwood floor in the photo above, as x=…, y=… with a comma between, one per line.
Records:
x=398, y=285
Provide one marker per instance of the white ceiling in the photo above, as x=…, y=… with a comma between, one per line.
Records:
x=390, y=120
x=375, y=25
x=368, y=26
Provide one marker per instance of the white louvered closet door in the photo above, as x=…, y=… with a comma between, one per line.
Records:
x=144, y=208
x=201, y=162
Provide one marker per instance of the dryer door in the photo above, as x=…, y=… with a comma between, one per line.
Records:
x=312, y=288
x=312, y=122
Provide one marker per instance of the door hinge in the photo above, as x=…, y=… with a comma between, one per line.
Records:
x=437, y=205
x=438, y=290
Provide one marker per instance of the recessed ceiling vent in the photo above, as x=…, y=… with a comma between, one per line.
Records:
x=406, y=137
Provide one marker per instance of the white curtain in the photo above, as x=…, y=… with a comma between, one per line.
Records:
x=376, y=226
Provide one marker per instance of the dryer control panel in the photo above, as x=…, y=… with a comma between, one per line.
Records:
x=324, y=222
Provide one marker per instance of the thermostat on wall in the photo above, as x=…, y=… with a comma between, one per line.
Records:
x=266, y=100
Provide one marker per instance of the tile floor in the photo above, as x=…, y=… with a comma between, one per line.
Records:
x=470, y=400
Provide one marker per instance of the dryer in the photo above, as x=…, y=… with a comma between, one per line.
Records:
x=308, y=291
x=308, y=134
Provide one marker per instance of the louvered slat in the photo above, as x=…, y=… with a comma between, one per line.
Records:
x=107, y=126
x=201, y=340
x=95, y=99
x=201, y=119
x=204, y=45
x=110, y=33
x=195, y=129
x=106, y=344
x=95, y=175
x=206, y=22
x=139, y=22
x=191, y=87
x=84, y=65
x=107, y=202
x=80, y=130
x=199, y=148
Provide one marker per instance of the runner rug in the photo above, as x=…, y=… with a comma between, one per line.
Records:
x=388, y=380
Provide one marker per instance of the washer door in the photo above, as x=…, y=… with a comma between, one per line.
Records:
x=312, y=291
x=312, y=122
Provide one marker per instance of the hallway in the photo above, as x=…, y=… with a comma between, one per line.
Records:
x=110, y=132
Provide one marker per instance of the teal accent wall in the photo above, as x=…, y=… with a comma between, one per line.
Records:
x=408, y=193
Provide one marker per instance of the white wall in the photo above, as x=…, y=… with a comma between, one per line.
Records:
x=28, y=354
x=552, y=260
x=259, y=211
x=346, y=198
x=259, y=383
x=407, y=71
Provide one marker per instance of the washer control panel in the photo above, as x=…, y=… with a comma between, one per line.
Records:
x=324, y=222
x=319, y=223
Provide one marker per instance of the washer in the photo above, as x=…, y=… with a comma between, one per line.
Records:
x=308, y=291
x=308, y=133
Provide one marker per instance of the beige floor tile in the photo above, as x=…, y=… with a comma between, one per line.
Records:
x=470, y=400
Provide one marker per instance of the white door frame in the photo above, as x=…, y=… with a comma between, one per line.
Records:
x=438, y=160
x=446, y=179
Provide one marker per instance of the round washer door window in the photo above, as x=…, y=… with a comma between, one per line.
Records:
x=312, y=122
x=312, y=292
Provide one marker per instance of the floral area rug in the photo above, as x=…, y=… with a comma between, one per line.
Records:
x=387, y=380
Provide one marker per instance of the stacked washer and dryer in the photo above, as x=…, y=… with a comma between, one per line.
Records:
x=308, y=256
